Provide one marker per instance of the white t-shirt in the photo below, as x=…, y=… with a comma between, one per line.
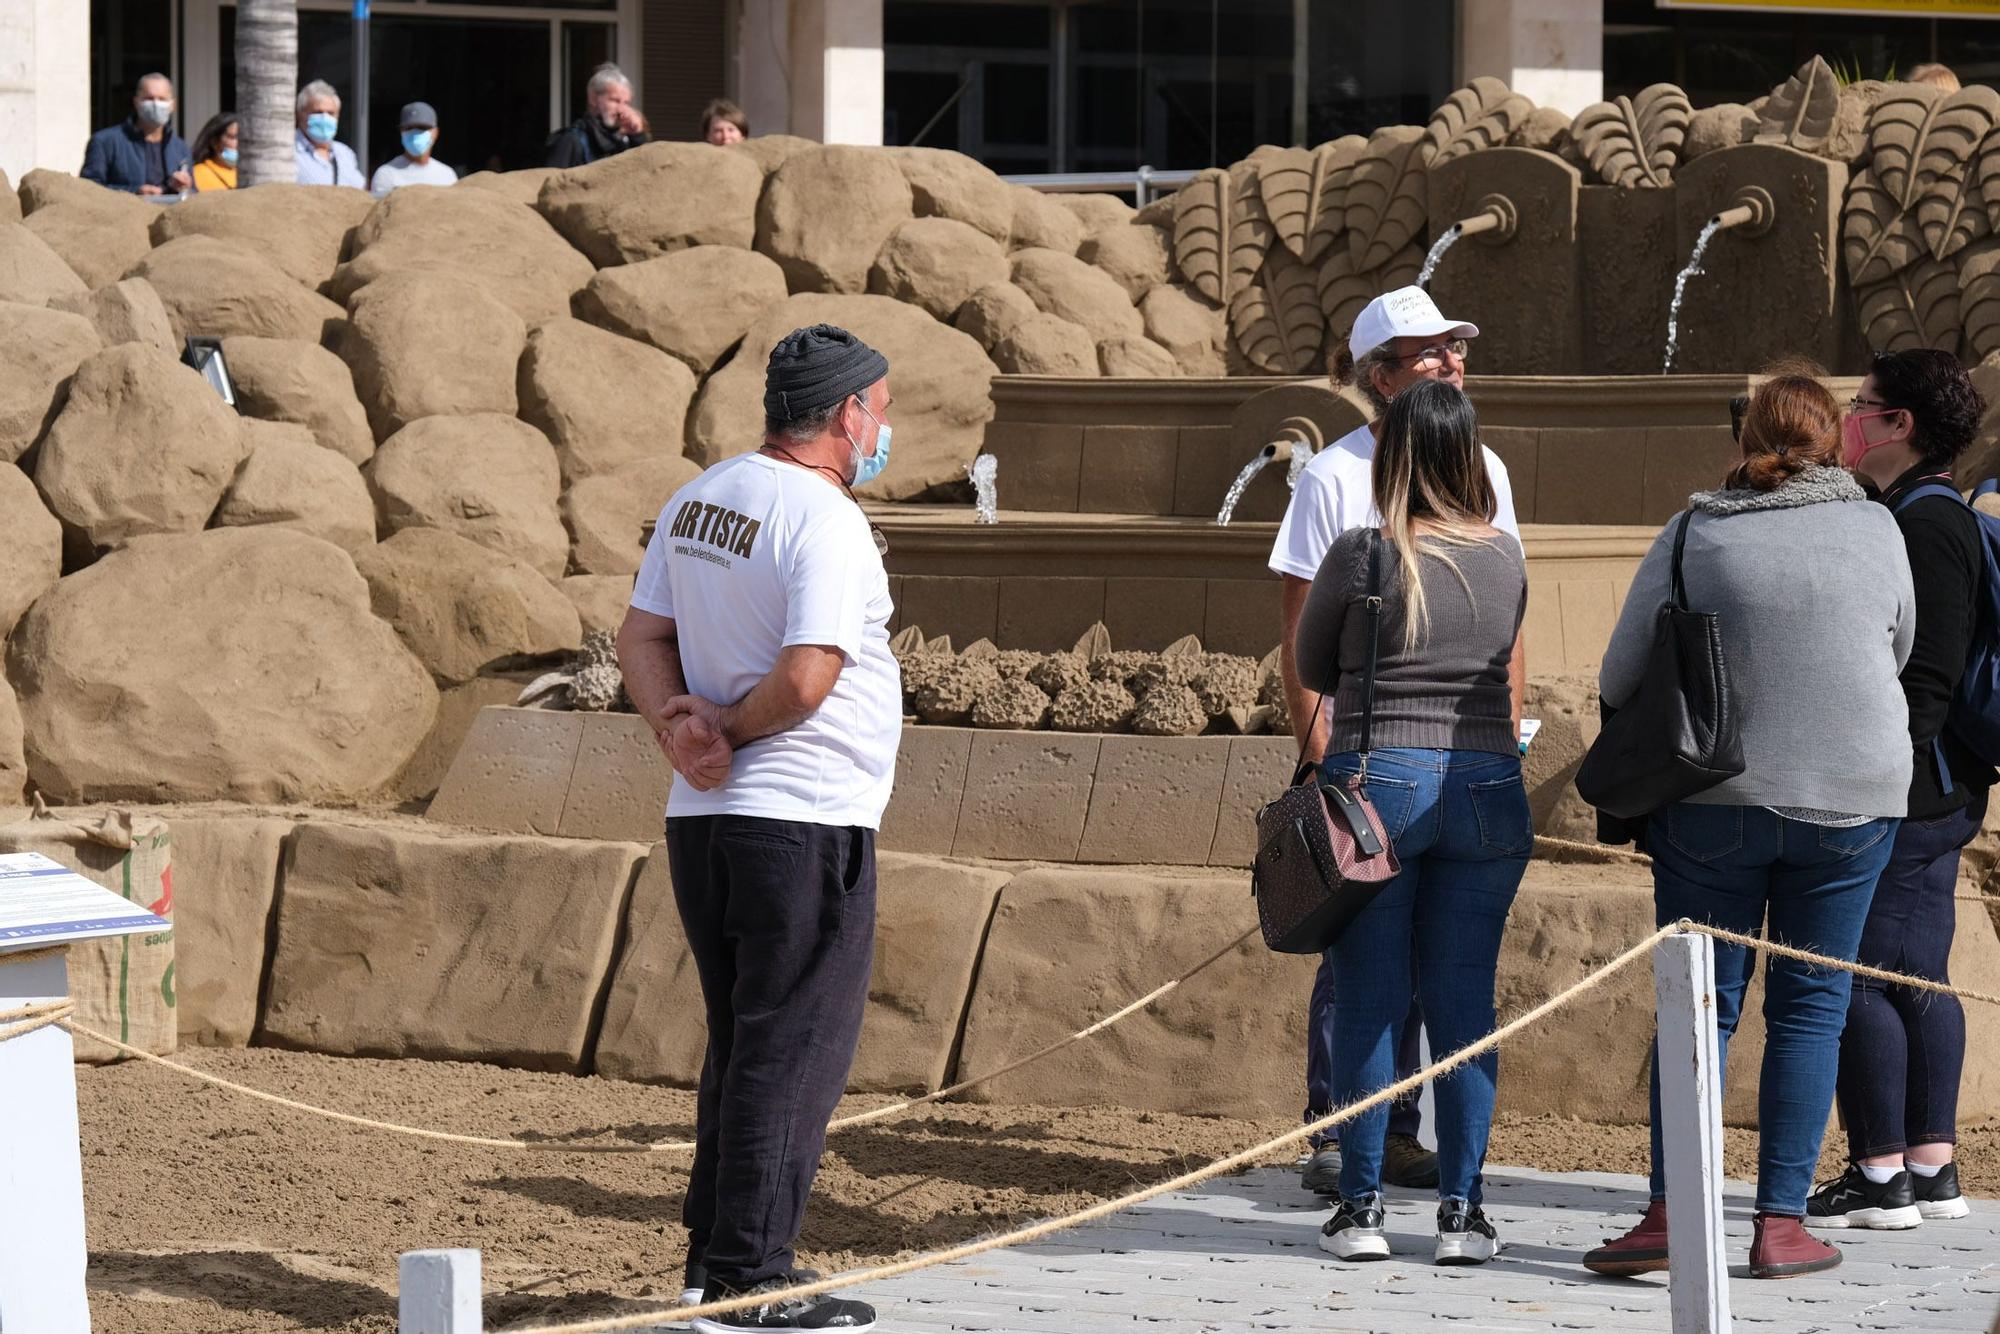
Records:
x=1336, y=492
x=399, y=170
x=749, y=558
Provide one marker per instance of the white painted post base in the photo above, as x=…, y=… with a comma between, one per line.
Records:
x=1691, y=1128
x=42, y=1251
x=438, y=1292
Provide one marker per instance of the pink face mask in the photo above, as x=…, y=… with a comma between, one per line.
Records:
x=1854, y=446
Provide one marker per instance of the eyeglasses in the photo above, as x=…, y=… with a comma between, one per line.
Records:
x=1434, y=354
x=1857, y=403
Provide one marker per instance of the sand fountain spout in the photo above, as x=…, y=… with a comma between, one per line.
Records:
x=1495, y=219
x=1752, y=212
x=1298, y=438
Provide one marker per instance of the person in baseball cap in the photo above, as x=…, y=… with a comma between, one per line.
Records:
x=414, y=165
x=1399, y=339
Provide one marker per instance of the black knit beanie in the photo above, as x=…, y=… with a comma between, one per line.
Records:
x=816, y=368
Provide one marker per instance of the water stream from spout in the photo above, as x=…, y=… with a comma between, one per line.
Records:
x=1302, y=454
x=985, y=498
x=1708, y=232
x=1234, y=494
x=1438, y=247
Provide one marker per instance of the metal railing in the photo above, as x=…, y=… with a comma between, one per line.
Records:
x=1145, y=183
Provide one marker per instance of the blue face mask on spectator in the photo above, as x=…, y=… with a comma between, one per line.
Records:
x=320, y=127
x=867, y=467
x=228, y=156
x=417, y=143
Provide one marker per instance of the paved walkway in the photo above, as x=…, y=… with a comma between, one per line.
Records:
x=1241, y=1254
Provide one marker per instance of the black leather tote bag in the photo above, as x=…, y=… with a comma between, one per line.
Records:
x=1678, y=734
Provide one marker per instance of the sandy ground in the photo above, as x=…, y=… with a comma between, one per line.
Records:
x=212, y=1214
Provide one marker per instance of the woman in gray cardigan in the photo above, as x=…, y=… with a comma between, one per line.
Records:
x=1812, y=588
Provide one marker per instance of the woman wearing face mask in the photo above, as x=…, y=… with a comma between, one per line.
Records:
x=215, y=153
x=414, y=165
x=1812, y=589
x=1902, y=1051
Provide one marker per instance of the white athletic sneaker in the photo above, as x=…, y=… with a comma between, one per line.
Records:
x=1355, y=1230
x=1464, y=1235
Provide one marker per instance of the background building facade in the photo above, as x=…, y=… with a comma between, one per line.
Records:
x=1024, y=85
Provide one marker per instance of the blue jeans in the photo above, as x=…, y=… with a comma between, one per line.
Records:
x=1405, y=1113
x=1460, y=824
x=1726, y=866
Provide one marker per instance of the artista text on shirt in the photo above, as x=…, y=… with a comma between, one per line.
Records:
x=716, y=526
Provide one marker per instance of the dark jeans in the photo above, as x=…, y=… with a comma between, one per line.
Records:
x=780, y=918
x=1460, y=824
x=1726, y=866
x=1903, y=1050
x=1405, y=1115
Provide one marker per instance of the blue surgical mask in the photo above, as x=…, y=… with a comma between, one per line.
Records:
x=867, y=467
x=417, y=143
x=321, y=126
x=228, y=156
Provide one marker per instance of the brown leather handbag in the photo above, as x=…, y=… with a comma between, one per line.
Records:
x=1322, y=851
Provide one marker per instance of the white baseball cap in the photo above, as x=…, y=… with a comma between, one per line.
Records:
x=1407, y=312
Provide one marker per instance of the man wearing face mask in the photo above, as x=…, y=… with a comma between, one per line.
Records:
x=142, y=155
x=610, y=123
x=323, y=159
x=414, y=165
x=757, y=647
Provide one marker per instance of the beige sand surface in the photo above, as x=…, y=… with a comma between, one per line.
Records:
x=212, y=1214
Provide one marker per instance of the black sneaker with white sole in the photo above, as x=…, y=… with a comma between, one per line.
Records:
x=823, y=1312
x=1852, y=1200
x=1464, y=1235
x=1355, y=1230
x=1937, y=1196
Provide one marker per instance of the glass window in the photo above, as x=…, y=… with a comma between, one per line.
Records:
x=128, y=39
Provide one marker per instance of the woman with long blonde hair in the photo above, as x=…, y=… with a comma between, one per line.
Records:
x=1424, y=715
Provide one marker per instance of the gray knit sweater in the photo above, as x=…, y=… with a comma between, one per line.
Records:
x=1812, y=589
x=1449, y=693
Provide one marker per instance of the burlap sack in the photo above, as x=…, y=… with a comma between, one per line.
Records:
x=123, y=986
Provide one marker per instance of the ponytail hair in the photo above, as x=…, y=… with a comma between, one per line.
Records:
x=1792, y=424
x=1429, y=467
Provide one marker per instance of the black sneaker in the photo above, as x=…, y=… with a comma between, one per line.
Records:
x=1464, y=1235
x=1321, y=1173
x=1407, y=1163
x=822, y=1312
x=1355, y=1230
x=1852, y=1200
x=1937, y=1196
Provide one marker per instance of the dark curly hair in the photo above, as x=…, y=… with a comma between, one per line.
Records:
x=1937, y=393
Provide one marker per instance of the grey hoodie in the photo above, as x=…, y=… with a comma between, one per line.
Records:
x=1812, y=589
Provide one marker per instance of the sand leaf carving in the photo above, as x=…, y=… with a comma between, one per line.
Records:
x=1292, y=184
x=1800, y=111
x=1949, y=211
x=1331, y=218
x=1401, y=270
x=939, y=647
x=1385, y=206
x=907, y=641
x=1220, y=231
x=1984, y=176
x=1877, y=237
x=1483, y=114
x=1343, y=291
x=1897, y=133
x=1187, y=646
x=980, y=649
x=1918, y=307
x=1277, y=319
x=1979, y=298
x=1634, y=143
x=1095, y=643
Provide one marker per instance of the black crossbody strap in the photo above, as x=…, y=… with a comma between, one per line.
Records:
x=1680, y=545
x=1374, y=606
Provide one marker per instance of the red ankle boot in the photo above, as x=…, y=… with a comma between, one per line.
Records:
x=1781, y=1248
x=1643, y=1250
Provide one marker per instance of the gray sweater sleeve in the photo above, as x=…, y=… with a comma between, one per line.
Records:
x=1625, y=657
x=1324, y=616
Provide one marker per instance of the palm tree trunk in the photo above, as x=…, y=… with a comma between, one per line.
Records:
x=267, y=78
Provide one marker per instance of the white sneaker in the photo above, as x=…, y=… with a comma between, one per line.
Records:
x=1464, y=1235
x=1355, y=1230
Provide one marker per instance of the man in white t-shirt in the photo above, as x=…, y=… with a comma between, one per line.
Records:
x=1398, y=339
x=414, y=165
x=757, y=646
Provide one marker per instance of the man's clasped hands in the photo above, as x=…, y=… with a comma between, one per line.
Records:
x=692, y=737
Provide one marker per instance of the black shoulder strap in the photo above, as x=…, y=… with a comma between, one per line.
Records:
x=1374, y=606
x=1680, y=545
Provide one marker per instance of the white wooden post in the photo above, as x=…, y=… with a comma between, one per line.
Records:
x=1691, y=1127
x=42, y=1252
x=438, y=1292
